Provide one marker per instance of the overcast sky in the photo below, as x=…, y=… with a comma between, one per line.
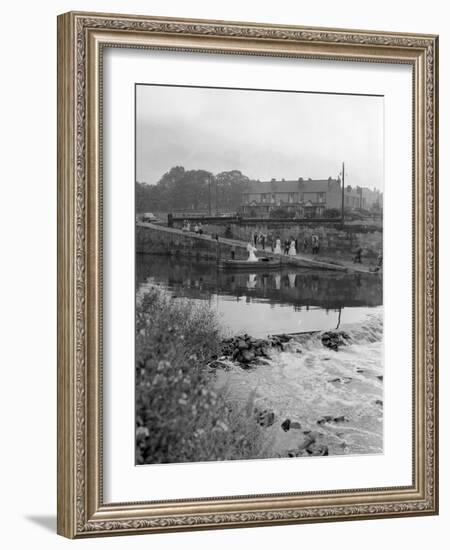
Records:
x=263, y=134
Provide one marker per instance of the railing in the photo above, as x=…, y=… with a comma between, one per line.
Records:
x=245, y=221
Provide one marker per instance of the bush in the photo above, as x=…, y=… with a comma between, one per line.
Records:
x=228, y=232
x=332, y=213
x=180, y=417
x=281, y=212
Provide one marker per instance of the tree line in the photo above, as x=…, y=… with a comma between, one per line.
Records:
x=196, y=190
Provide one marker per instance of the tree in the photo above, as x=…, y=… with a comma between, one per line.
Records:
x=180, y=189
x=229, y=187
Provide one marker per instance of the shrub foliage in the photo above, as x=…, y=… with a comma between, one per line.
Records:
x=180, y=416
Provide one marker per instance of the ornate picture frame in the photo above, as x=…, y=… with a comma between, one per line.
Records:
x=82, y=38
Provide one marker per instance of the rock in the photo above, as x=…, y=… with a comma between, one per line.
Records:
x=379, y=402
x=247, y=356
x=265, y=418
x=340, y=419
x=289, y=425
x=325, y=419
x=245, y=349
x=317, y=450
x=310, y=438
x=286, y=425
x=311, y=446
x=219, y=364
x=334, y=339
x=343, y=380
x=380, y=378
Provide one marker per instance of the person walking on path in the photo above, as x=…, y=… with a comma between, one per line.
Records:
x=315, y=244
x=380, y=260
x=357, y=258
x=305, y=244
x=379, y=265
x=287, y=244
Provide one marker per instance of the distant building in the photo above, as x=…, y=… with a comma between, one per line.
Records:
x=305, y=198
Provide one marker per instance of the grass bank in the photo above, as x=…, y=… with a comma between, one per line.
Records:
x=180, y=417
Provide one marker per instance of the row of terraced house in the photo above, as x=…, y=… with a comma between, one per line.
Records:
x=307, y=198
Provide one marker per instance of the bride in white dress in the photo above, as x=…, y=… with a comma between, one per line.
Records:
x=277, y=246
x=251, y=253
x=292, y=251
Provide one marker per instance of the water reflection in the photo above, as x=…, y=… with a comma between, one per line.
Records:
x=296, y=287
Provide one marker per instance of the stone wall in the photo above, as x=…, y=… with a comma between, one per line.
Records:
x=334, y=239
x=164, y=240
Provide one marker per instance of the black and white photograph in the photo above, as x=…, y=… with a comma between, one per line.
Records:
x=258, y=274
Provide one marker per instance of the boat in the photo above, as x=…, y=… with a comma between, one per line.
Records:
x=261, y=265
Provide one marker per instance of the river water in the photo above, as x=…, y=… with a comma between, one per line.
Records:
x=308, y=383
x=293, y=300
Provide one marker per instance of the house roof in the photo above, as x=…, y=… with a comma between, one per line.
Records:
x=290, y=186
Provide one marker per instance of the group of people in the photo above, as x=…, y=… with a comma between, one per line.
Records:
x=197, y=228
x=261, y=239
x=289, y=247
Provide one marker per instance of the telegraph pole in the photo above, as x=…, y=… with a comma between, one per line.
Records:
x=217, y=196
x=209, y=195
x=343, y=187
